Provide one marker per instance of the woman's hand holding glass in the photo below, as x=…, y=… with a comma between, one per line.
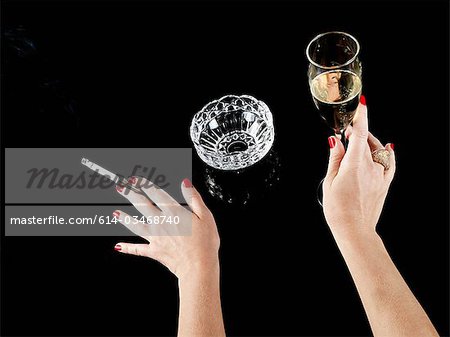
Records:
x=355, y=187
x=354, y=192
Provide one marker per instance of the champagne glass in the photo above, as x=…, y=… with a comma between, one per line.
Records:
x=334, y=75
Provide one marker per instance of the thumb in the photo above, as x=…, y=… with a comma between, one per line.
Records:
x=337, y=152
x=193, y=199
x=357, y=145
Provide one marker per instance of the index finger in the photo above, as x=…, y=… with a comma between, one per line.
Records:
x=357, y=144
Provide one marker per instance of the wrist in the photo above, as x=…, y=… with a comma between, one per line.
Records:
x=199, y=270
x=360, y=238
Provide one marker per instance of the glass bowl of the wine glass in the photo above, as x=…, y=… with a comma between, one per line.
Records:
x=334, y=72
x=233, y=132
x=332, y=50
x=334, y=76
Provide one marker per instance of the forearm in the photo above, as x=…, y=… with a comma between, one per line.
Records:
x=390, y=306
x=200, y=307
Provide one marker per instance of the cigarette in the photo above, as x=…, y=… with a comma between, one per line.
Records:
x=108, y=174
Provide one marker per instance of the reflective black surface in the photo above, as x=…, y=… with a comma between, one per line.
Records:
x=239, y=187
x=132, y=74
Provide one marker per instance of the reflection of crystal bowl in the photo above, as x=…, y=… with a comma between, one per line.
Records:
x=233, y=132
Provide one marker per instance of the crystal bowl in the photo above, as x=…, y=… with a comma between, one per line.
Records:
x=233, y=132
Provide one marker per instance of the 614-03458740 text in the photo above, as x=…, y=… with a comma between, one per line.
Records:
x=96, y=219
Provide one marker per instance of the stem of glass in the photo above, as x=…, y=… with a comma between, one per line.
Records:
x=341, y=135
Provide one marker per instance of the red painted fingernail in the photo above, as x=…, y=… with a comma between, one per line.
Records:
x=118, y=248
x=331, y=142
x=362, y=100
x=116, y=214
x=392, y=146
x=187, y=183
x=132, y=180
x=119, y=188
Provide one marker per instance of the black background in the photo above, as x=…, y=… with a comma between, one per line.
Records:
x=132, y=74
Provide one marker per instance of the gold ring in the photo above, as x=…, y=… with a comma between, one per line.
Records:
x=381, y=156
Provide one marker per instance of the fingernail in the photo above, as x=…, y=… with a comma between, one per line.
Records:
x=331, y=142
x=392, y=146
x=132, y=180
x=116, y=214
x=118, y=248
x=187, y=183
x=119, y=188
x=362, y=100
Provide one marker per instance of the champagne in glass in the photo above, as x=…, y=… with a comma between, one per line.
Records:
x=334, y=75
x=335, y=78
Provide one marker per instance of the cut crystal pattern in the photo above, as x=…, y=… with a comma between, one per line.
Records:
x=233, y=132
